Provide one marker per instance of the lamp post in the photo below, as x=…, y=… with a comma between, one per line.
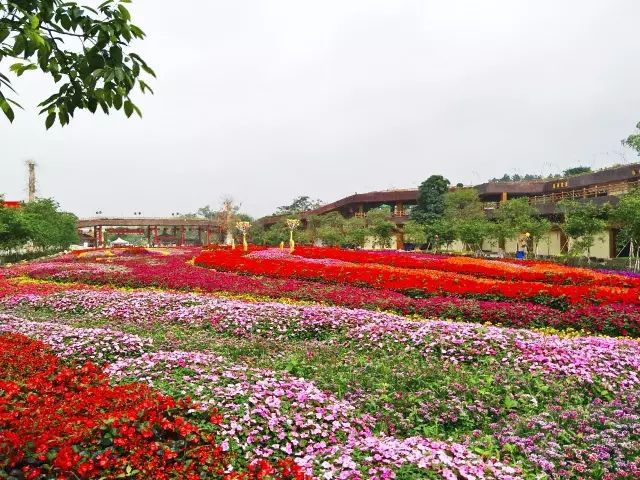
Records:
x=292, y=224
x=244, y=228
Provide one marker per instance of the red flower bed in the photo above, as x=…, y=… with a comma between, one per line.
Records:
x=614, y=320
x=64, y=422
x=405, y=279
x=523, y=271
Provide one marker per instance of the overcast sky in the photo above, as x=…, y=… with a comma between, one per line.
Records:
x=268, y=100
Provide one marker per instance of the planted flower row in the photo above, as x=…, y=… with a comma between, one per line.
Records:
x=590, y=379
x=265, y=414
x=314, y=321
x=173, y=271
x=522, y=271
x=64, y=422
x=409, y=279
x=614, y=361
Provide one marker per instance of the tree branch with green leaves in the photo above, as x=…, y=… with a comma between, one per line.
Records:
x=86, y=50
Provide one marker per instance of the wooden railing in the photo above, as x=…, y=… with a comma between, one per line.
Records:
x=612, y=189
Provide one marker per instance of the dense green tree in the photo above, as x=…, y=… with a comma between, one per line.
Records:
x=576, y=171
x=517, y=217
x=472, y=232
x=583, y=221
x=463, y=204
x=40, y=223
x=633, y=140
x=13, y=228
x=275, y=234
x=207, y=212
x=85, y=50
x=299, y=205
x=464, y=214
x=441, y=233
x=430, y=205
x=380, y=227
x=48, y=227
x=331, y=229
x=414, y=233
x=355, y=232
x=626, y=214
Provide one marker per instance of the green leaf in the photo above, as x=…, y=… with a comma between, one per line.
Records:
x=144, y=86
x=148, y=70
x=124, y=12
x=128, y=108
x=51, y=118
x=6, y=109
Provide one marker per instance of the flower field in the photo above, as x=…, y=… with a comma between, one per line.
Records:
x=325, y=363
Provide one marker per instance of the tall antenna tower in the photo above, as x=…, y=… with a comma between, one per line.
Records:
x=31, y=185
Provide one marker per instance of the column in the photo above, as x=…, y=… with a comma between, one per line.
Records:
x=503, y=197
x=613, y=236
x=99, y=238
x=149, y=236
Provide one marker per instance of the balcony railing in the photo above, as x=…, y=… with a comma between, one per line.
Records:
x=612, y=189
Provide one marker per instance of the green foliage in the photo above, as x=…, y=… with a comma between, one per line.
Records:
x=576, y=171
x=534, y=176
x=39, y=222
x=355, y=232
x=299, y=205
x=275, y=234
x=380, y=228
x=463, y=204
x=430, y=205
x=207, y=212
x=472, y=231
x=517, y=178
x=627, y=215
x=415, y=233
x=633, y=140
x=13, y=228
x=582, y=222
x=441, y=233
x=330, y=229
x=518, y=216
x=464, y=218
x=85, y=50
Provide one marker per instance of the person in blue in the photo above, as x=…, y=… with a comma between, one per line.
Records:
x=523, y=246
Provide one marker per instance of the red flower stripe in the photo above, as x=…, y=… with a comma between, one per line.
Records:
x=406, y=279
x=523, y=271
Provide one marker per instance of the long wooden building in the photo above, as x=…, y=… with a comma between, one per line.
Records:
x=603, y=186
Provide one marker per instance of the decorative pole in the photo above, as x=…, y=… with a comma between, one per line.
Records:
x=244, y=228
x=292, y=224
